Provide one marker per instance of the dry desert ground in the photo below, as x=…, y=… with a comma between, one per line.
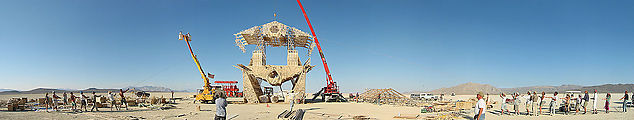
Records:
x=185, y=109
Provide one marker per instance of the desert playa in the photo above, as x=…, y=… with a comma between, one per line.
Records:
x=185, y=109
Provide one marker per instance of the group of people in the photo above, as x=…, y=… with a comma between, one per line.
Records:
x=534, y=102
x=82, y=100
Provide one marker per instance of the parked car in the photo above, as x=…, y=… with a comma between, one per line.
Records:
x=423, y=96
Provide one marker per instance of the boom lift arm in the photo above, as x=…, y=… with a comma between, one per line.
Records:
x=207, y=93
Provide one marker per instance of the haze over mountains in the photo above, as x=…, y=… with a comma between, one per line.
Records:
x=473, y=88
x=98, y=90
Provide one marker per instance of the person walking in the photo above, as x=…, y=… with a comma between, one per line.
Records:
x=480, y=107
x=553, y=103
x=595, y=98
x=586, y=98
x=123, y=101
x=625, y=98
x=607, y=102
x=94, y=102
x=221, y=106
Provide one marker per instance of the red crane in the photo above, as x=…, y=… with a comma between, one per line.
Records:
x=331, y=89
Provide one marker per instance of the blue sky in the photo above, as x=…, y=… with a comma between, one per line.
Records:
x=406, y=45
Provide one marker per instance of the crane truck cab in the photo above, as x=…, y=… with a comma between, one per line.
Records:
x=207, y=96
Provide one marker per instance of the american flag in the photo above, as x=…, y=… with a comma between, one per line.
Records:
x=210, y=75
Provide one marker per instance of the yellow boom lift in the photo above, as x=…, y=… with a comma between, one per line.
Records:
x=206, y=95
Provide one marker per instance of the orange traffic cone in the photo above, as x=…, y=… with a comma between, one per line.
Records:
x=267, y=105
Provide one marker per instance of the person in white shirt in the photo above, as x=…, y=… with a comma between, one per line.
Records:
x=503, y=106
x=480, y=108
x=529, y=100
x=594, y=102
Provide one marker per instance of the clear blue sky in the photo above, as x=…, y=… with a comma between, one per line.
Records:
x=406, y=45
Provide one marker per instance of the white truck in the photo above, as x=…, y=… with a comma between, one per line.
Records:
x=423, y=96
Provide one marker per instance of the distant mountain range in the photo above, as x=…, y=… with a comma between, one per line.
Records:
x=473, y=88
x=150, y=88
x=89, y=90
x=2, y=90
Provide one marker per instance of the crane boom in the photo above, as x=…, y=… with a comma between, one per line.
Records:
x=331, y=86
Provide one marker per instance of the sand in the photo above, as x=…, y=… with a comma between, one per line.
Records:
x=185, y=109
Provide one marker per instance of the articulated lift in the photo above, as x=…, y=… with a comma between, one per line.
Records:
x=206, y=95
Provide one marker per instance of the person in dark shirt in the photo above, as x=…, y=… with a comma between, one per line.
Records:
x=586, y=99
x=625, y=98
x=94, y=102
x=123, y=101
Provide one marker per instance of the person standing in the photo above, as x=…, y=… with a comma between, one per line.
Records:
x=607, y=103
x=55, y=101
x=535, y=103
x=625, y=98
x=529, y=100
x=221, y=106
x=480, y=108
x=553, y=104
x=73, y=101
x=516, y=103
x=541, y=101
x=594, y=102
x=578, y=104
x=65, y=99
x=113, y=102
x=586, y=98
x=123, y=101
x=94, y=102
x=47, y=101
x=83, y=98
x=504, y=102
x=173, y=100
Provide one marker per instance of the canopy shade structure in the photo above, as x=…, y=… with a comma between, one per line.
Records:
x=274, y=34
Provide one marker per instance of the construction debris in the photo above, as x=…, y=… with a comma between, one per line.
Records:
x=291, y=115
x=17, y=104
x=383, y=96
